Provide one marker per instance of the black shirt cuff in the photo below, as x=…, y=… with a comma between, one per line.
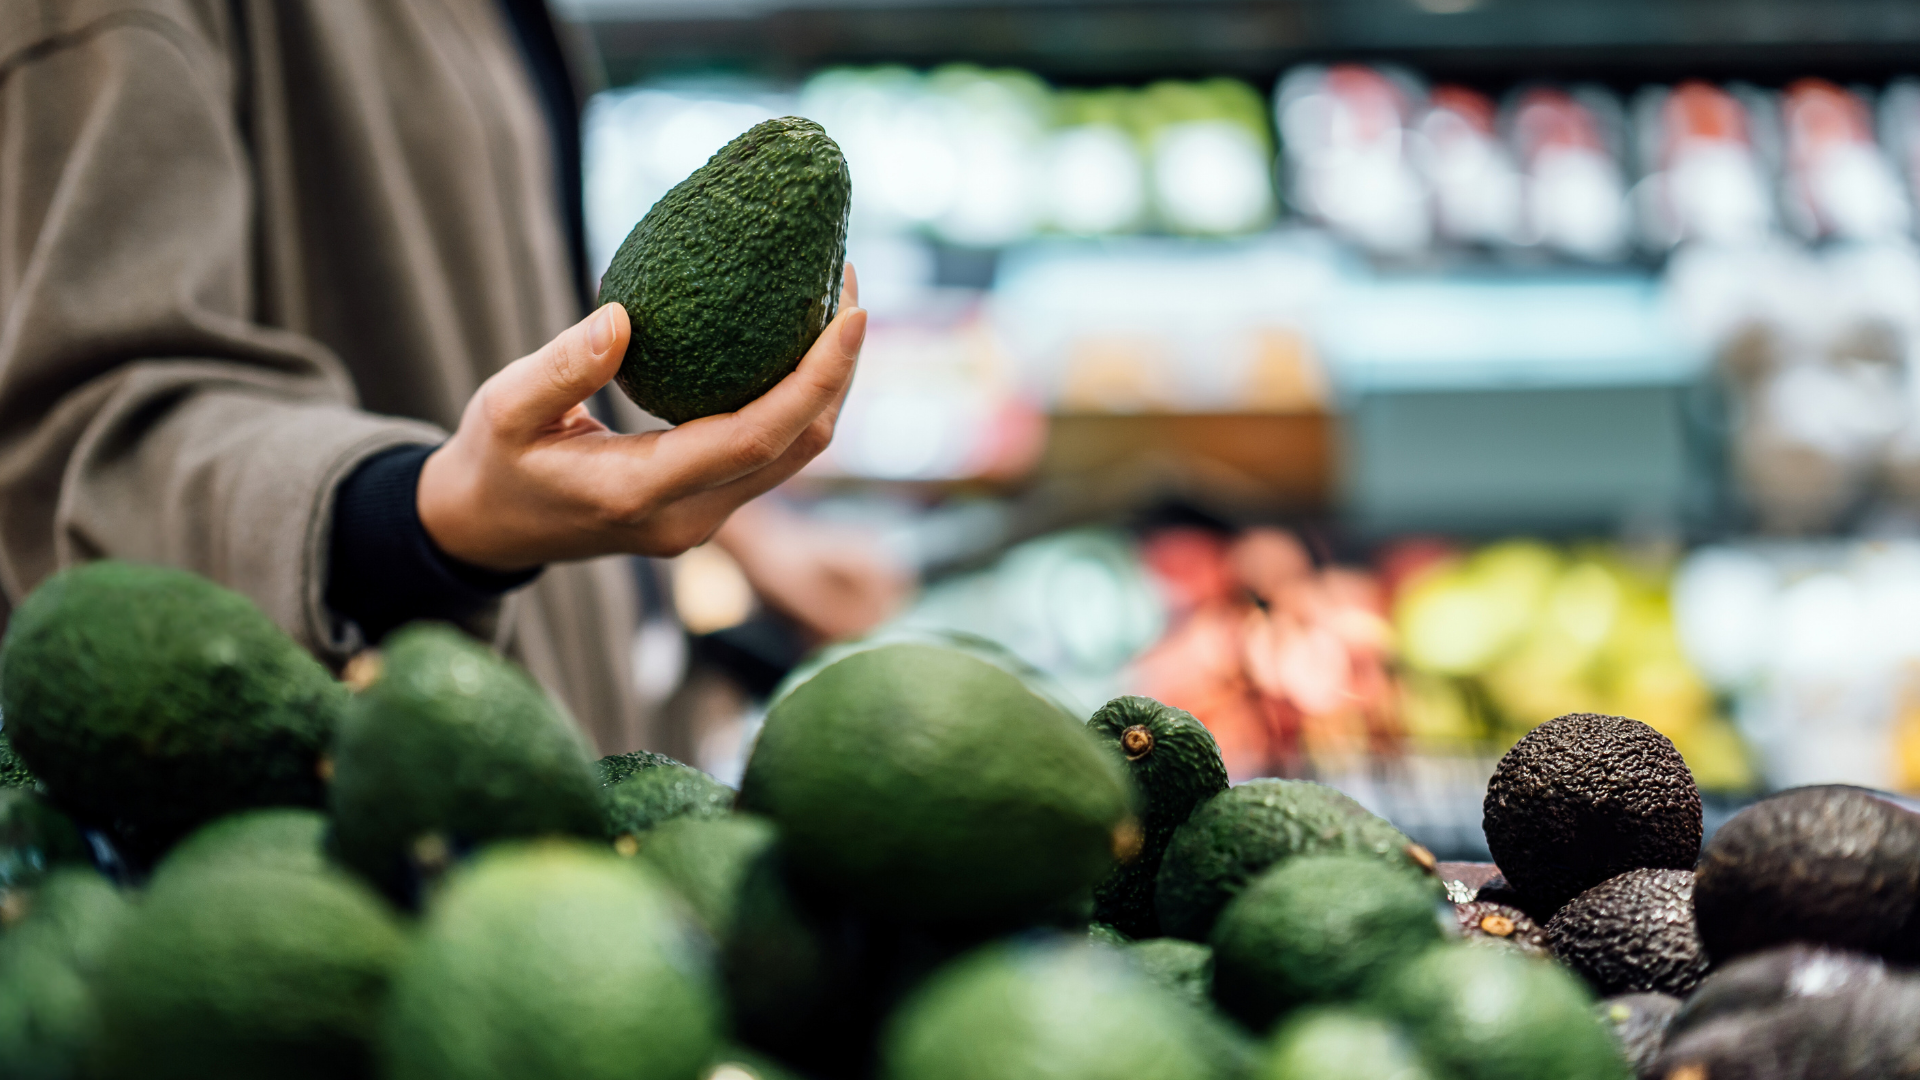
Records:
x=382, y=567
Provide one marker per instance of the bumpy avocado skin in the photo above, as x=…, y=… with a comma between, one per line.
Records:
x=731, y=276
x=617, y=767
x=1234, y=836
x=233, y=972
x=1632, y=933
x=551, y=959
x=453, y=747
x=1639, y=1023
x=14, y=772
x=1062, y=1010
x=705, y=860
x=1586, y=797
x=1334, y=1043
x=49, y=1019
x=1490, y=1014
x=150, y=700
x=1178, y=769
x=1824, y=865
x=651, y=797
x=1500, y=926
x=1317, y=928
x=925, y=785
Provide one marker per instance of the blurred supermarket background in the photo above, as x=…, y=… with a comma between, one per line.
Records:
x=1373, y=378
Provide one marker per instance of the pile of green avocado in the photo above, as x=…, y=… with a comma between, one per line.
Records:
x=217, y=861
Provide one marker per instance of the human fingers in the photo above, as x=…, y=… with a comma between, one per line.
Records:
x=533, y=392
x=850, y=288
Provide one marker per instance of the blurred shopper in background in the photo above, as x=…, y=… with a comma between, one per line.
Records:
x=259, y=257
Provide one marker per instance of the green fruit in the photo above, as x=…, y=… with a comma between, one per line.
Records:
x=1633, y=933
x=1491, y=1014
x=1061, y=1010
x=617, y=767
x=284, y=838
x=242, y=971
x=651, y=796
x=1337, y=1043
x=1175, y=766
x=926, y=785
x=551, y=960
x=1834, y=866
x=153, y=700
x=1317, y=928
x=733, y=1063
x=1234, y=836
x=705, y=860
x=1587, y=797
x=1104, y=934
x=49, y=1022
x=34, y=839
x=1184, y=967
x=451, y=747
x=14, y=772
x=732, y=275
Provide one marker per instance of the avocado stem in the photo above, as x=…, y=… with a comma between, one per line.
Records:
x=1137, y=741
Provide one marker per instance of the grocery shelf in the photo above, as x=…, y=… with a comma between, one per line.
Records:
x=1128, y=39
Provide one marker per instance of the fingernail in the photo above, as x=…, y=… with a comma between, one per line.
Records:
x=600, y=331
x=855, y=332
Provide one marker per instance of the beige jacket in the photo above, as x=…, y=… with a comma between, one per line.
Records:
x=224, y=284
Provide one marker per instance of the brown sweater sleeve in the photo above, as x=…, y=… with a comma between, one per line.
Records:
x=143, y=414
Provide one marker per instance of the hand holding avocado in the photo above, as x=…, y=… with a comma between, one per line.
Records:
x=531, y=477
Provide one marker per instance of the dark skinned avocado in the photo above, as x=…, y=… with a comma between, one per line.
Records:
x=925, y=785
x=447, y=748
x=1340, y=1043
x=731, y=276
x=1484, y=922
x=49, y=957
x=150, y=700
x=1317, y=928
x=1234, y=836
x=1633, y=933
x=1763, y=980
x=1857, y=1033
x=1492, y=1014
x=1498, y=890
x=1587, y=797
x=1054, y=1008
x=617, y=767
x=1825, y=865
x=1185, y=967
x=1639, y=1023
x=1176, y=766
x=652, y=796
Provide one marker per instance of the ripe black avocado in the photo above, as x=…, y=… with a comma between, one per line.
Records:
x=1859, y=1033
x=1587, y=797
x=1492, y=923
x=1639, y=1023
x=731, y=276
x=1632, y=933
x=1825, y=865
x=1764, y=980
x=1175, y=766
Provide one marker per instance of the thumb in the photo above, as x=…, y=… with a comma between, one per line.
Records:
x=538, y=389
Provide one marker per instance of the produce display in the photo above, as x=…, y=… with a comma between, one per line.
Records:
x=932, y=872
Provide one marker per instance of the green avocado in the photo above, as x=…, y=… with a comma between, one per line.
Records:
x=1185, y=967
x=1318, y=928
x=285, y=837
x=1493, y=1014
x=1633, y=933
x=1834, y=866
x=705, y=860
x=49, y=1022
x=14, y=772
x=150, y=700
x=927, y=786
x=1340, y=1043
x=651, y=796
x=35, y=839
x=1175, y=766
x=1234, y=836
x=231, y=971
x=448, y=748
x=1057, y=1009
x=734, y=1063
x=617, y=767
x=552, y=959
x=1585, y=797
x=731, y=276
